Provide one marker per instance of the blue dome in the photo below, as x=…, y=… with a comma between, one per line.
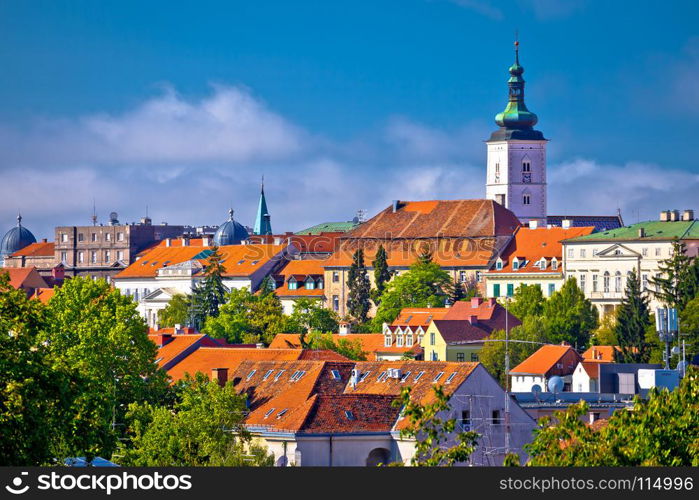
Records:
x=16, y=239
x=230, y=232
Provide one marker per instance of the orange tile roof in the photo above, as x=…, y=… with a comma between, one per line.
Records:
x=601, y=353
x=324, y=242
x=21, y=277
x=303, y=267
x=591, y=368
x=44, y=294
x=179, y=345
x=283, y=291
x=419, y=316
x=238, y=260
x=40, y=249
x=546, y=358
x=533, y=244
x=372, y=343
x=351, y=413
x=439, y=218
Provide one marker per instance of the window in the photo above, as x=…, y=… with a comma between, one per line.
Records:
x=571, y=253
x=107, y=256
x=310, y=284
x=120, y=255
x=269, y=372
x=582, y=282
x=552, y=288
x=405, y=376
x=93, y=236
x=93, y=257
x=497, y=420
x=336, y=276
x=465, y=420
x=282, y=413
x=81, y=257
x=644, y=252
x=417, y=377
x=349, y=415
x=382, y=376
x=279, y=374
x=269, y=412
x=510, y=289
x=64, y=256
x=335, y=374
x=460, y=357
x=81, y=237
x=582, y=253
x=496, y=290
x=515, y=264
x=399, y=340
x=644, y=281
x=250, y=375
x=594, y=282
x=617, y=281
x=478, y=276
x=120, y=236
x=606, y=282
x=594, y=252
x=526, y=199
x=432, y=338
x=554, y=264
x=320, y=284
x=108, y=237
x=297, y=376
x=364, y=375
x=657, y=251
x=293, y=284
x=657, y=285
x=474, y=357
x=434, y=356
x=526, y=166
x=498, y=264
x=437, y=377
x=450, y=377
x=463, y=277
x=64, y=237
x=387, y=340
x=336, y=303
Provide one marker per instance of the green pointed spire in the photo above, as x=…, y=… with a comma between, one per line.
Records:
x=263, y=224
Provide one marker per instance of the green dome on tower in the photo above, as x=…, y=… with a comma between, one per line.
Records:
x=516, y=121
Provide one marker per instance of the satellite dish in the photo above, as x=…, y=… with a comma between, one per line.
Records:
x=676, y=351
x=555, y=384
x=536, y=390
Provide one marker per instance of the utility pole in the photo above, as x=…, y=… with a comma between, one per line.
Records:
x=507, y=379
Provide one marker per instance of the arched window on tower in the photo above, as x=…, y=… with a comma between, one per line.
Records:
x=526, y=166
x=526, y=199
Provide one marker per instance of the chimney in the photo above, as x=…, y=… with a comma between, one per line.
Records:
x=686, y=215
x=533, y=224
x=566, y=223
x=476, y=302
x=178, y=328
x=259, y=345
x=354, y=378
x=674, y=215
x=641, y=232
x=277, y=240
x=44, y=240
x=185, y=242
x=206, y=241
x=219, y=375
x=168, y=242
x=163, y=339
x=665, y=216
x=395, y=205
x=473, y=319
x=492, y=301
x=344, y=328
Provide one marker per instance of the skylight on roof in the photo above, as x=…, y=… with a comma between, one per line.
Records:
x=269, y=412
x=297, y=375
x=250, y=375
x=417, y=377
x=269, y=372
x=336, y=374
x=282, y=413
x=405, y=376
x=349, y=415
x=450, y=377
x=382, y=376
x=241, y=261
x=364, y=375
x=276, y=377
x=437, y=377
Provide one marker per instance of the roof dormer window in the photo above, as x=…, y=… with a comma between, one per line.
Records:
x=515, y=264
x=310, y=284
x=498, y=264
x=554, y=264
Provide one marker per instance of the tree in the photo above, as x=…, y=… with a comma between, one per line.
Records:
x=632, y=320
x=492, y=354
x=359, y=288
x=569, y=316
x=204, y=428
x=210, y=293
x=382, y=275
x=267, y=286
x=424, y=285
x=660, y=431
x=527, y=301
x=96, y=334
x=351, y=349
x=678, y=280
x=605, y=333
x=34, y=397
x=309, y=315
x=176, y=312
x=247, y=318
x=690, y=326
x=433, y=435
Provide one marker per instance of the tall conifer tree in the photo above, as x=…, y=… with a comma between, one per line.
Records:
x=359, y=288
x=632, y=319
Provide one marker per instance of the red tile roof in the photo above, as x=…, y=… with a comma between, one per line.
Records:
x=351, y=413
x=531, y=245
x=419, y=316
x=39, y=249
x=601, y=353
x=545, y=361
x=372, y=343
x=306, y=243
x=44, y=294
x=177, y=345
x=24, y=277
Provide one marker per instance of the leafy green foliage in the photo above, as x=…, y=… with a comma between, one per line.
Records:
x=431, y=432
x=527, y=301
x=660, y=431
x=203, y=428
x=690, y=326
x=210, y=293
x=382, y=275
x=678, y=282
x=247, y=318
x=176, y=312
x=632, y=320
x=309, y=315
x=34, y=396
x=569, y=316
x=605, y=333
x=351, y=349
x=424, y=285
x=95, y=334
x=359, y=288
x=492, y=354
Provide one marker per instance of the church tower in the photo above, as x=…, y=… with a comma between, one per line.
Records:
x=516, y=172
x=263, y=221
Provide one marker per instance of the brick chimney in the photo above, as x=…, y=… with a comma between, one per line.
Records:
x=476, y=302
x=473, y=319
x=492, y=301
x=163, y=339
x=219, y=375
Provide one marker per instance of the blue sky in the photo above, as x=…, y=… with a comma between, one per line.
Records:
x=343, y=105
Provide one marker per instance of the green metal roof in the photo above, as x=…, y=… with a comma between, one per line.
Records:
x=653, y=230
x=330, y=227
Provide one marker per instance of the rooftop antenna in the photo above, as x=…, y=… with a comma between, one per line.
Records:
x=94, y=213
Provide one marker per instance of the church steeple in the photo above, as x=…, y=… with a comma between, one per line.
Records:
x=263, y=224
x=516, y=121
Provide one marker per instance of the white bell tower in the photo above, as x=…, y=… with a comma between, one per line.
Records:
x=516, y=164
